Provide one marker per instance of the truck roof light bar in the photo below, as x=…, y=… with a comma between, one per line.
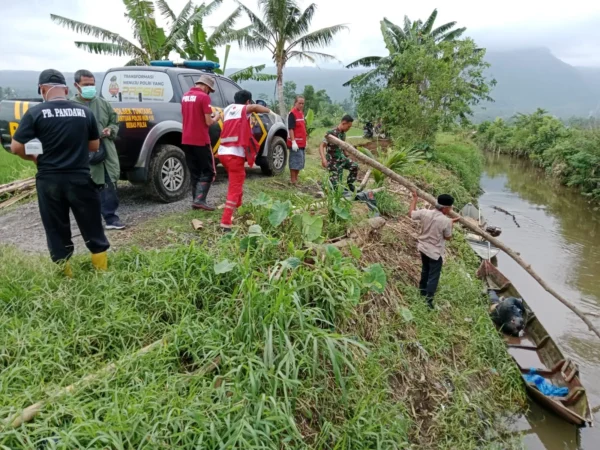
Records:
x=190, y=64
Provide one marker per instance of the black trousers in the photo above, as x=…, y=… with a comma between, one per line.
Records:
x=109, y=201
x=430, y=276
x=201, y=162
x=57, y=195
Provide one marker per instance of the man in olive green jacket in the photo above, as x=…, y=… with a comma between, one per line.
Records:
x=106, y=173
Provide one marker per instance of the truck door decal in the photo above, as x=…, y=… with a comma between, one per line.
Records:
x=20, y=112
x=135, y=117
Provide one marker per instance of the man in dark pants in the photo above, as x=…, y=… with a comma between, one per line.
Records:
x=58, y=135
x=197, y=119
x=105, y=173
x=436, y=229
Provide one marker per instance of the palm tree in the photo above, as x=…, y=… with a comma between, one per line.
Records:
x=152, y=41
x=397, y=39
x=283, y=30
x=187, y=35
x=198, y=45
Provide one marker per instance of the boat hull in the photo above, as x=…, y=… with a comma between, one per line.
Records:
x=536, y=349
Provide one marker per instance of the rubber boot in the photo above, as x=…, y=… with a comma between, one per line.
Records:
x=100, y=261
x=202, y=188
x=68, y=270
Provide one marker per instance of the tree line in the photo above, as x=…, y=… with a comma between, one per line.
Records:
x=570, y=153
x=430, y=78
x=6, y=93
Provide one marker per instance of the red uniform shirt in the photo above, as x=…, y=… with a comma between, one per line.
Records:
x=194, y=105
x=297, y=123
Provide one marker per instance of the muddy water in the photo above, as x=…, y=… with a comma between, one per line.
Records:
x=559, y=235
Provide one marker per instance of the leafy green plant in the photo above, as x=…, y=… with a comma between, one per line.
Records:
x=279, y=212
x=310, y=226
x=283, y=30
x=393, y=159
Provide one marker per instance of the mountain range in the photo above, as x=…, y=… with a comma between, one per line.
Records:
x=526, y=79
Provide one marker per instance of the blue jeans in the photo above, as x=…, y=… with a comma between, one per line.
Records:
x=109, y=202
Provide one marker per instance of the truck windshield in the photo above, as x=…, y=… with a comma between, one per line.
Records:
x=137, y=85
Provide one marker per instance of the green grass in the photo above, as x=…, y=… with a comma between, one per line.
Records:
x=312, y=352
x=455, y=169
x=14, y=168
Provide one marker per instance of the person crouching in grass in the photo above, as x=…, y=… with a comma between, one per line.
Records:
x=237, y=146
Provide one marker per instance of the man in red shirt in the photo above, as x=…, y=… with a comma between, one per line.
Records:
x=197, y=118
x=297, y=139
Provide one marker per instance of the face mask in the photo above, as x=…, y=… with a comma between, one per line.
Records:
x=88, y=92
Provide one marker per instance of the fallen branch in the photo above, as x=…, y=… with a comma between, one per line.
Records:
x=32, y=411
x=365, y=180
x=14, y=199
x=16, y=186
x=475, y=229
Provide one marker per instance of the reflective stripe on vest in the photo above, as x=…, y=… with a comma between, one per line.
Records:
x=232, y=121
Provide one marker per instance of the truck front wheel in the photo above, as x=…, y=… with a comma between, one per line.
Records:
x=168, y=175
x=275, y=161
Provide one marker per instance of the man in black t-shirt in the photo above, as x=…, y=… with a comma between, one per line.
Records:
x=66, y=132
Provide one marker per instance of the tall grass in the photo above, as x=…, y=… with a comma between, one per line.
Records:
x=14, y=168
x=287, y=327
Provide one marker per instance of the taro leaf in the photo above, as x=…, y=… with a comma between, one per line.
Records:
x=375, y=278
x=342, y=212
x=279, y=212
x=312, y=227
x=406, y=314
x=262, y=200
x=224, y=266
x=255, y=230
x=333, y=252
x=291, y=263
x=297, y=220
x=355, y=251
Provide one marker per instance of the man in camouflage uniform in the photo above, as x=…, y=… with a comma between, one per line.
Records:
x=335, y=160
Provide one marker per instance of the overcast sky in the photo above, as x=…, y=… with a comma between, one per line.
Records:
x=571, y=30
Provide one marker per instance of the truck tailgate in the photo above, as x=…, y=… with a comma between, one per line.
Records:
x=11, y=112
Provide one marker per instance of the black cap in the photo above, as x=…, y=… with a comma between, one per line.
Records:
x=51, y=76
x=445, y=200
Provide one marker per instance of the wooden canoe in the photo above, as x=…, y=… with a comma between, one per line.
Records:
x=536, y=349
x=480, y=246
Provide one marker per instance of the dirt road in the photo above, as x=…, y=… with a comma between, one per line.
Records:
x=23, y=228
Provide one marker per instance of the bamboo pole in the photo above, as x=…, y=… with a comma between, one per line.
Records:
x=15, y=198
x=16, y=185
x=425, y=196
x=32, y=411
x=365, y=180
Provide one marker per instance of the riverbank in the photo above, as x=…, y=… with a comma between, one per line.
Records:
x=276, y=335
x=559, y=235
x=569, y=155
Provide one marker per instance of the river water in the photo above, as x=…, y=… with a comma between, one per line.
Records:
x=559, y=235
